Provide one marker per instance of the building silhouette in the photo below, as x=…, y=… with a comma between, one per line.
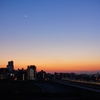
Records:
x=10, y=66
x=10, y=70
x=41, y=75
x=31, y=72
x=20, y=75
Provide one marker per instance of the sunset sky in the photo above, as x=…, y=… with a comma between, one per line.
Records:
x=54, y=35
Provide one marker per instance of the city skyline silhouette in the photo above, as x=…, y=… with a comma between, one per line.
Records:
x=32, y=84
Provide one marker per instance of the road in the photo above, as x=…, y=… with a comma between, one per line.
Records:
x=54, y=90
x=44, y=90
x=90, y=87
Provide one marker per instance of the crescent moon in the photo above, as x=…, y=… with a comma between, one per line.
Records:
x=25, y=15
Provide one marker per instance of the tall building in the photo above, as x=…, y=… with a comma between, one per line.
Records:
x=31, y=72
x=10, y=66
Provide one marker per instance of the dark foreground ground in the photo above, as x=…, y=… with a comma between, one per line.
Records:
x=31, y=90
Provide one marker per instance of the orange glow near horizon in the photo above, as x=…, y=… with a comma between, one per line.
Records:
x=68, y=66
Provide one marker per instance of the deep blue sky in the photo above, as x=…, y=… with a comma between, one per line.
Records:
x=53, y=31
